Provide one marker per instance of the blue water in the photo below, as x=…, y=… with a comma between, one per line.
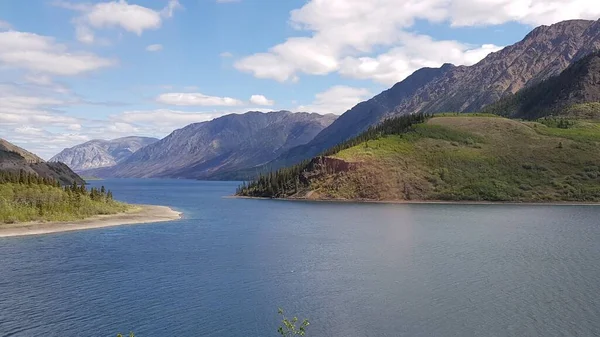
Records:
x=352, y=269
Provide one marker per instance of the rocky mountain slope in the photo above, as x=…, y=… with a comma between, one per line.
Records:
x=101, y=153
x=543, y=53
x=454, y=157
x=14, y=159
x=575, y=92
x=206, y=150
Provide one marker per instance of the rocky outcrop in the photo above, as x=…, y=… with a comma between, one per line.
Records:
x=321, y=166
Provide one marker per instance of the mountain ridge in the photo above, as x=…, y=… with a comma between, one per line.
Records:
x=16, y=159
x=202, y=150
x=99, y=153
x=576, y=88
x=544, y=52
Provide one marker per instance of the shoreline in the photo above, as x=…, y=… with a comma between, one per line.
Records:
x=427, y=202
x=141, y=214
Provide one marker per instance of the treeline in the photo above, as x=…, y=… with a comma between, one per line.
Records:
x=29, y=197
x=23, y=177
x=288, y=181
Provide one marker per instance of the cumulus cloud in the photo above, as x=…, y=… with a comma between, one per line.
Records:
x=196, y=99
x=154, y=47
x=116, y=14
x=42, y=54
x=336, y=100
x=346, y=33
x=417, y=52
x=261, y=100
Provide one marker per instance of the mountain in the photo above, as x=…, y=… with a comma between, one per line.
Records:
x=101, y=153
x=575, y=92
x=544, y=52
x=15, y=159
x=453, y=157
x=206, y=150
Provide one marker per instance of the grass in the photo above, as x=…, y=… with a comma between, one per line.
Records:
x=475, y=158
x=39, y=202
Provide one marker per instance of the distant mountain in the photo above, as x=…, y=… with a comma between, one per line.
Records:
x=14, y=159
x=545, y=52
x=101, y=153
x=209, y=149
x=576, y=91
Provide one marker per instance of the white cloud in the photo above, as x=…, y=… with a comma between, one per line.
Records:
x=261, y=100
x=42, y=142
x=84, y=34
x=46, y=81
x=336, y=100
x=345, y=33
x=154, y=47
x=42, y=54
x=418, y=51
x=226, y=54
x=165, y=118
x=196, y=99
x=4, y=25
x=531, y=12
x=116, y=14
x=170, y=8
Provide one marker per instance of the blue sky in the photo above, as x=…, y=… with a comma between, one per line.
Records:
x=71, y=71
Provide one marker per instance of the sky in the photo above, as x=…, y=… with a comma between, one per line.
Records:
x=72, y=71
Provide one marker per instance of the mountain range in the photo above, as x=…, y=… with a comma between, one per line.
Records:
x=15, y=159
x=208, y=149
x=544, y=52
x=239, y=146
x=467, y=156
x=101, y=153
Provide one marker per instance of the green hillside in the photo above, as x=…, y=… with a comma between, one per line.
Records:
x=455, y=157
x=29, y=197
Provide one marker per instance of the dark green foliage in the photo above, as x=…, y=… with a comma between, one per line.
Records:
x=288, y=181
x=27, y=197
x=289, y=328
x=23, y=177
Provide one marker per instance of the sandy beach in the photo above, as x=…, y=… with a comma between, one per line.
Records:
x=139, y=215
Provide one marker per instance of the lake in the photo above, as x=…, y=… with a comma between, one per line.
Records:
x=352, y=269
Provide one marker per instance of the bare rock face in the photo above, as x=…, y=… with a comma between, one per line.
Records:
x=543, y=53
x=15, y=159
x=101, y=153
x=576, y=89
x=210, y=149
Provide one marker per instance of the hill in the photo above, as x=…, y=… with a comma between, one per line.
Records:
x=453, y=157
x=14, y=159
x=575, y=92
x=205, y=150
x=101, y=153
x=543, y=53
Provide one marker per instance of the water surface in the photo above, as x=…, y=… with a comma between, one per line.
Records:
x=353, y=269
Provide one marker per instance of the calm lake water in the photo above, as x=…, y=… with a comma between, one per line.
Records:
x=352, y=269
